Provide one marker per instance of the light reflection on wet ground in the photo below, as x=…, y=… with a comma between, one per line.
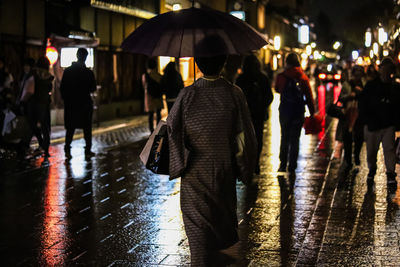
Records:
x=110, y=211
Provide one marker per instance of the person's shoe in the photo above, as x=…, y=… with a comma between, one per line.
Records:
x=291, y=169
x=257, y=170
x=89, y=153
x=391, y=178
x=68, y=154
x=282, y=168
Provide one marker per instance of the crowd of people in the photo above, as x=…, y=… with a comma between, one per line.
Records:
x=370, y=99
x=25, y=111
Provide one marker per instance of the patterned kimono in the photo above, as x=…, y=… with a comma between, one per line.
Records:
x=202, y=127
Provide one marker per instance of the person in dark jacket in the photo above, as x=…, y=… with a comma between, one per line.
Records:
x=38, y=106
x=379, y=103
x=256, y=87
x=353, y=123
x=77, y=84
x=171, y=84
x=292, y=84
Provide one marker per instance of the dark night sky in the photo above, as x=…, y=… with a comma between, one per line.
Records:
x=350, y=18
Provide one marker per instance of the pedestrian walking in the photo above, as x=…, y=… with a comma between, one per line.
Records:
x=171, y=84
x=293, y=85
x=77, y=84
x=353, y=123
x=151, y=81
x=202, y=127
x=379, y=103
x=256, y=88
x=27, y=83
x=38, y=105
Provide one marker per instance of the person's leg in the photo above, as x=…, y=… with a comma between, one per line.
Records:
x=68, y=140
x=348, y=145
x=258, y=128
x=87, y=133
x=373, y=141
x=389, y=152
x=45, y=129
x=151, y=121
x=284, y=147
x=294, y=140
x=358, y=138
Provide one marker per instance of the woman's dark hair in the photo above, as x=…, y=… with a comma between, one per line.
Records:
x=251, y=64
x=170, y=68
x=151, y=63
x=210, y=54
x=43, y=63
x=293, y=60
x=211, y=66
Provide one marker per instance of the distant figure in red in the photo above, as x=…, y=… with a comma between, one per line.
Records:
x=294, y=87
x=77, y=84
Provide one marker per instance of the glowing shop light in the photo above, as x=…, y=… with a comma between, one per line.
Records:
x=304, y=34
x=176, y=7
x=277, y=42
x=336, y=45
x=382, y=36
x=52, y=54
x=375, y=47
x=368, y=38
x=385, y=53
x=308, y=50
x=355, y=54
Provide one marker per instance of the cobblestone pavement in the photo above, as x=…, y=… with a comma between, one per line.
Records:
x=110, y=211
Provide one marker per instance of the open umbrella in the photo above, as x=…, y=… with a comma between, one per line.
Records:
x=176, y=34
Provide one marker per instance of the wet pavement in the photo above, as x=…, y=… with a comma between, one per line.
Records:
x=110, y=211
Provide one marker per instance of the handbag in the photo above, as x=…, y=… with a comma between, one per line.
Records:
x=314, y=124
x=336, y=111
x=155, y=154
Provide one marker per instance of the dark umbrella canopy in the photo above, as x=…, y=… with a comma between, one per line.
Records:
x=177, y=33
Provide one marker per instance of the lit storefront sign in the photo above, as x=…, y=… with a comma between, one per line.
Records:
x=163, y=62
x=108, y=5
x=68, y=55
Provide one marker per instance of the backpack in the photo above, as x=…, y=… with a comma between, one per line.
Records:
x=153, y=87
x=292, y=98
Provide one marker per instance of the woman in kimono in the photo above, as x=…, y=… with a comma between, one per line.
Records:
x=203, y=126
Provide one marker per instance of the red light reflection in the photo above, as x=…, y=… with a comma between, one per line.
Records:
x=54, y=233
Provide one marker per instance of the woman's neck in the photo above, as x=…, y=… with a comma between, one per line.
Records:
x=211, y=77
